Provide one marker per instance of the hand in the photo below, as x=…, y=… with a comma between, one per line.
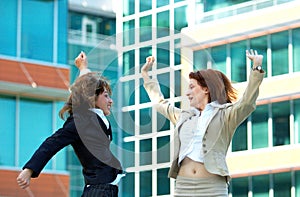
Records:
x=254, y=57
x=149, y=63
x=81, y=61
x=24, y=177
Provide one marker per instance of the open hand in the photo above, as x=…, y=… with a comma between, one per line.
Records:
x=254, y=57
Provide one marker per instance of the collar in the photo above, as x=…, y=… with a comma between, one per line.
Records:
x=100, y=113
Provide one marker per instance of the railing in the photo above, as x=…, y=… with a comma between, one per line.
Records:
x=239, y=9
x=91, y=39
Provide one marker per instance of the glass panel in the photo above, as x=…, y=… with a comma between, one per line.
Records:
x=239, y=141
x=31, y=131
x=282, y=184
x=146, y=152
x=279, y=46
x=238, y=61
x=145, y=121
x=260, y=186
x=163, y=24
x=144, y=98
x=297, y=183
x=145, y=5
x=260, y=127
x=128, y=123
x=163, y=124
x=296, y=49
x=239, y=187
x=128, y=154
x=128, y=7
x=163, y=182
x=128, y=62
x=145, y=183
x=163, y=55
x=218, y=55
x=8, y=32
x=128, y=185
x=128, y=93
x=163, y=149
x=281, y=125
x=177, y=52
x=297, y=120
x=128, y=33
x=7, y=130
x=37, y=44
x=62, y=41
x=160, y=3
x=261, y=45
x=177, y=82
x=180, y=18
x=144, y=53
x=201, y=58
x=164, y=81
x=145, y=28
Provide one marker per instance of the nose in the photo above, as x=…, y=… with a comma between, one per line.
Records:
x=188, y=92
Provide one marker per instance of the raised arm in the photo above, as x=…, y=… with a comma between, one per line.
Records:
x=152, y=87
x=81, y=63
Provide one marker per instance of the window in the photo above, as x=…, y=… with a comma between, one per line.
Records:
x=180, y=20
x=128, y=123
x=282, y=184
x=238, y=61
x=128, y=185
x=281, y=126
x=239, y=187
x=8, y=130
x=146, y=152
x=145, y=28
x=128, y=93
x=160, y=3
x=128, y=154
x=296, y=49
x=260, y=186
x=239, y=141
x=163, y=149
x=37, y=42
x=260, y=127
x=297, y=120
x=163, y=55
x=201, y=58
x=128, y=33
x=163, y=24
x=218, y=55
x=8, y=33
x=145, y=121
x=145, y=183
x=279, y=46
x=34, y=132
x=163, y=182
x=128, y=62
x=145, y=5
x=128, y=7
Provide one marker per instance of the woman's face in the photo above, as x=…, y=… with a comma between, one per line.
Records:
x=197, y=95
x=104, y=102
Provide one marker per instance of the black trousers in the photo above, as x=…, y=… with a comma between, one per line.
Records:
x=101, y=190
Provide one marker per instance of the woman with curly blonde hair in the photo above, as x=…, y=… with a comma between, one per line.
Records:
x=88, y=131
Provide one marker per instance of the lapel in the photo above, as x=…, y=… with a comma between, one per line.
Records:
x=108, y=131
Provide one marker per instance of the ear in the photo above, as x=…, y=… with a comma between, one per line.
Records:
x=206, y=90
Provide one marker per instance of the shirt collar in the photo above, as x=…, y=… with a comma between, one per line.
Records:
x=100, y=113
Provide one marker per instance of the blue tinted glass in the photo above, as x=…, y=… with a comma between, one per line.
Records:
x=62, y=34
x=35, y=127
x=8, y=30
x=7, y=130
x=37, y=30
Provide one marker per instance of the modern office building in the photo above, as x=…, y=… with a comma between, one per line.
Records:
x=39, y=41
x=185, y=35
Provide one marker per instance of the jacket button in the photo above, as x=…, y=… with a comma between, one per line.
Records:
x=203, y=145
x=205, y=151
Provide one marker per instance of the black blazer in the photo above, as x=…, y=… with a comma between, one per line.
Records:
x=90, y=139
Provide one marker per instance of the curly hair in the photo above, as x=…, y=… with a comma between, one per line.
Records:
x=219, y=86
x=84, y=93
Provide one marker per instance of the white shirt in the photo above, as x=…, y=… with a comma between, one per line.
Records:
x=194, y=150
x=100, y=113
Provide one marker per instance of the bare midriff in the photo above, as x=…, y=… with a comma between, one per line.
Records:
x=193, y=169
